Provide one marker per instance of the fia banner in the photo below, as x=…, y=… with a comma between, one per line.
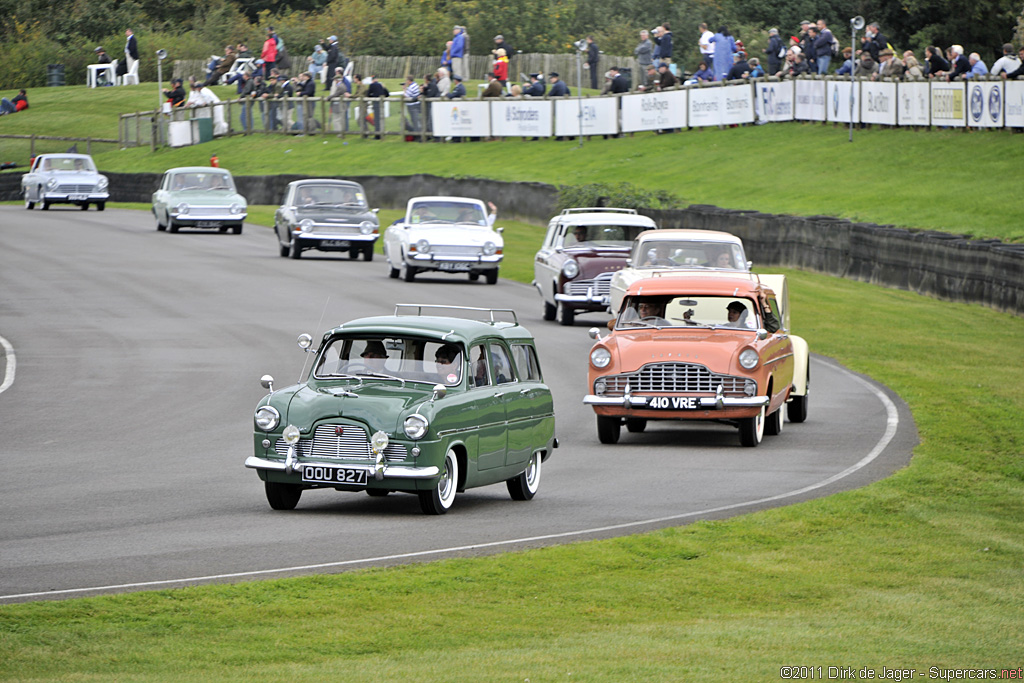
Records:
x=948, y=108
x=1014, y=108
x=705, y=107
x=525, y=118
x=654, y=111
x=840, y=94
x=461, y=118
x=985, y=104
x=912, y=104
x=878, y=102
x=592, y=115
x=773, y=101
x=810, y=100
x=737, y=104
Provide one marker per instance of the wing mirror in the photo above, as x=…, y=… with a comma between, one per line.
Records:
x=304, y=341
x=594, y=333
x=439, y=392
x=267, y=382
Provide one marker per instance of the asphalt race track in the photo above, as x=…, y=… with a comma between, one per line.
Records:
x=129, y=369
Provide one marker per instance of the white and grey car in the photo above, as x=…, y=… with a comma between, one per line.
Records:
x=447, y=235
x=328, y=215
x=64, y=179
x=201, y=197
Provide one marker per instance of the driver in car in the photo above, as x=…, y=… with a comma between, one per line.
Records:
x=374, y=355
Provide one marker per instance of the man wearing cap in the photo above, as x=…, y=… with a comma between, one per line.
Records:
x=593, y=57
x=458, y=51
x=775, y=52
x=102, y=58
x=333, y=59
x=500, y=44
x=536, y=87
x=493, y=88
x=888, y=67
x=458, y=90
x=269, y=97
x=558, y=86
x=176, y=95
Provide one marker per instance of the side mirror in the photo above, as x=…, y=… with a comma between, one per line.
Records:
x=304, y=341
x=499, y=230
x=762, y=334
x=629, y=263
x=267, y=382
x=594, y=333
x=439, y=392
x=374, y=210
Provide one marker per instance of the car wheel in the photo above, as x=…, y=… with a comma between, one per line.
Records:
x=46, y=206
x=752, y=429
x=100, y=206
x=524, y=486
x=773, y=423
x=84, y=206
x=636, y=424
x=474, y=275
x=393, y=272
x=222, y=229
x=282, y=249
x=282, y=496
x=368, y=252
x=353, y=253
x=566, y=315
x=438, y=500
x=492, y=277
x=237, y=229
x=608, y=429
x=171, y=225
x=295, y=249
x=377, y=493
x=29, y=204
x=410, y=273
x=550, y=311
x=796, y=409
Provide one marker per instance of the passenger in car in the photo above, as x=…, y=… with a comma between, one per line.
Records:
x=738, y=315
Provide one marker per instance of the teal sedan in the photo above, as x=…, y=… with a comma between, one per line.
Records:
x=415, y=403
x=199, y=197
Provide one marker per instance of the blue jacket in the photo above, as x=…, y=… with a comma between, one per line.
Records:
x=664, y=45
x=558, y=89
x=459, y=45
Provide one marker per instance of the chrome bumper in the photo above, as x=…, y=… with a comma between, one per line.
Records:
x=420, y=259
x=66, y=196
x=196, y=217
x=588, y=298
x=319, y=236
x=393, y=471
x=704, y=403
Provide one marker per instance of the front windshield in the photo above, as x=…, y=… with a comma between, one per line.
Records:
x=309, y=194
x=447, y=212
x=655, y=253
x=212, y=182
x=398, y=358
x=603, y=235
x=68, y=164
x=687, y=311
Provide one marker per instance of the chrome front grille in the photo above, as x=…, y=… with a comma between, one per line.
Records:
x=75, y=188
x=677, y=378
x=336, y=228
x=351, y=444
x=210, y=212
x=601, y=286
x=455, y=250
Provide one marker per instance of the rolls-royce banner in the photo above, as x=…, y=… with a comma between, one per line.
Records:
x=912, y=105
x=810, y=100
x=985, y=104
x=1014, y=107
x=773, y=101
x=839, y=95
x=705, y=107
x=461, y=118
x=878, y=102
x=654, y=111
x=948, y=104
x=526, y=118
x=737, y=104
x=596, y=116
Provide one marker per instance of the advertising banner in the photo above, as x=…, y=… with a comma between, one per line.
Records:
x=596, y=115
x=737, y=104
x=878, y=102
x=985, y=104
x=705, y=107
x=912, y=104
x=654, y=111
x=460, y=118
x=774, y=101
x=810, y=100
x=525, y=118
x=948, y=107
x=1014, y=109
x=839, y=98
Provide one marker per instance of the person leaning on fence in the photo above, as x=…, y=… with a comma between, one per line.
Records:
x=558, y=86
x=866, y=66
x=458, y=90
x=444, y=82
x=412, y=94
x=376, y=90
x=339, y=105
x=176, y=93
x=1008, y=63
x=536, y=86
x=889, y=67
x=493, y=88
x=846, y=68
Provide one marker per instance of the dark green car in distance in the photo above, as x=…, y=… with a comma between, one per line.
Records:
x=415, y=403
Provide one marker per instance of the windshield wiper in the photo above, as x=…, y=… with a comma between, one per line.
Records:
x=382, y=376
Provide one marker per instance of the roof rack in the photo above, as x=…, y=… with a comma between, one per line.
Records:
x=596, y=209
x=485, y=314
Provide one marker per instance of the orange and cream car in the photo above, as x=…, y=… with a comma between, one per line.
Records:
x=692, y=347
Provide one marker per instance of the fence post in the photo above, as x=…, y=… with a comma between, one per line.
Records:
x=32, y=146
x=138, y=129
x=88, y=145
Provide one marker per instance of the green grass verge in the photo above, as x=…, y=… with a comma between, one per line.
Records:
x=947, y=180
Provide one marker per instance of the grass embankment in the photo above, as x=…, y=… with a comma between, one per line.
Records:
x=947, y=180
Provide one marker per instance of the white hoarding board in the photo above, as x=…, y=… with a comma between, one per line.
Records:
x=985, y=104
x=810, y=100
x=948, y=108
x=1014, y=110
x=912, y=104
x=525, y=118
x=773, y=101
x=596, y=115
x=737, y=104
x=878, y=102
x=705, y=107
x=840, y=94
x=459, y=118
x=654, y=111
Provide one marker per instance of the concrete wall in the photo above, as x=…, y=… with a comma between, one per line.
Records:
x=935, y=264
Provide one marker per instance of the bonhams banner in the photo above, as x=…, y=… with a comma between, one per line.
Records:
x=525, y=118
x=457, y=118
x=586, y=116
x=773, y=101
x=948, y=104
x=737, y=104
x=705, y=107
x=654, y=111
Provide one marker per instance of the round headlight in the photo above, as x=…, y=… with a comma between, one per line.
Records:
x=571, y=269
x=367, y=227
x=304, y=341
x=291, y=435
x=749, y=358
x=103, y=183
x=267, y=418
x=600, y=357
x=379, y=441
x=306, y=224
x=490, y=248
x=182, y=209
x=423, y=247
x=237, y=209
x=52, y=183
x=600, y=386
x=415, y=426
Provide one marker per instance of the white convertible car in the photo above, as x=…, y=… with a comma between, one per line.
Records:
x=445, y=234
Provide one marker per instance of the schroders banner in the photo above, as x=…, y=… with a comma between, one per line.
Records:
x=654, y=111
x=948, y=104
x=1014, y=107
x=591, y=115
x=457, y=118
x=985, y=104
x=878, y=102
x=525, y=118
x=912, y=108
x=839, y=95
x=810, y=100
x=774, y=100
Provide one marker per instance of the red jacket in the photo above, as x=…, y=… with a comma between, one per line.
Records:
x=269, y=53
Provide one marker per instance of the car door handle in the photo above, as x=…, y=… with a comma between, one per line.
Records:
x=497, y=394
x=524, y=392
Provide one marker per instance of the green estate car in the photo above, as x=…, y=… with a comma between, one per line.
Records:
x=425, y=404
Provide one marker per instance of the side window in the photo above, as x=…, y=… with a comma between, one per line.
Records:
x=501, y=365
x=478, y=365
x=527, y=367
x=549, y=239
